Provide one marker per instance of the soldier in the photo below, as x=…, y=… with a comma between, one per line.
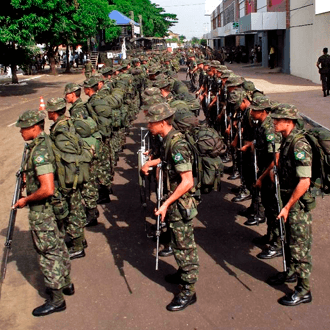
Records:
x=75, y=222
x=295, y=169
x=180, y=206
x=88, y=69
x=324, y=71
x=53, y=256
x=89, y=189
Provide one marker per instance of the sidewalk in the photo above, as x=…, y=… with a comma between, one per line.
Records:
x=304, y=94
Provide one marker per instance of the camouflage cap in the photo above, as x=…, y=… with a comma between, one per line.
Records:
x=125, y=63
x=179, y=105
x=199, y=62
x=154, y=70
x=55, y=104
x=159, y=112
x=71, y=87
x=150, y=91
x=249, y=85
x=285, y=111
x=221, y=68
x=233, y=81
x=260, y=103
x=99, y=76
x=135, y=60
x=236, y=98
x=29, y=118
x=92, y=81
x=215, y=63
x=161, y=83
x=117, y=67
x=227, y=73
x=107, y=70
x=150, y=101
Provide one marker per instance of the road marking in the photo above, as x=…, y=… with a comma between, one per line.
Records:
x=30, y=78
x=11, y=124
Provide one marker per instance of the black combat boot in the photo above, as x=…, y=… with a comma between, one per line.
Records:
x=186, y=297
x=243, y=195
x=103, y=195
x=298, y=296
x=68, y=290
x=271, y=252
x=91, y=217
x=77, y=249
x=281, y=278
x=166, y=252
x=56, y=303
x=324, y=93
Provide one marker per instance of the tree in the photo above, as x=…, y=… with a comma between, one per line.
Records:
x=182, y=38
x=155, y=20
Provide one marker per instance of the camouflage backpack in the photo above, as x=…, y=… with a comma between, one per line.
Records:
x=72, y=156
x=319, y=139
x=100, y=111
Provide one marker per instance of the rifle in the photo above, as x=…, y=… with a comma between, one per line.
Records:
x=12, y=218
x=142, y=159
x=159, y=200
x=279, y=208
x=256, y=190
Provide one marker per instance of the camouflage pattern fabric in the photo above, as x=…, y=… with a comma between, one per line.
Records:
x=53, y=256
x=30, y=118
x=104, y=169
x=89, y=190
x=178, y=157
x=295, y=162
x=88, y=69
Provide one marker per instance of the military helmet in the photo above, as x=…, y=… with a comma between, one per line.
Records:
x=159, y=112
x=92, y=81
x=71, y=87
x=55, y=104
x=29, y=118
x=285, y=111
x=233, y=81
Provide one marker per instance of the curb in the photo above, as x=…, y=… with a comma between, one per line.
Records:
x=313, y=122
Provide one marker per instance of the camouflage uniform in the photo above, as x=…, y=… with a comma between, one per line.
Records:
x=178, y=158
x=295, y=162
x=75, y=222
x=53, y=256
x=88, y=69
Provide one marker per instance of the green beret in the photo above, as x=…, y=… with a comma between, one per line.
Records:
x=30, y=118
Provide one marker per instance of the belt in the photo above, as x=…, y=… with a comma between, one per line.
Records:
x=39, y=207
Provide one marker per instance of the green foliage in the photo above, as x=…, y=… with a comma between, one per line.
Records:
x=155, y=20
x=182, y=38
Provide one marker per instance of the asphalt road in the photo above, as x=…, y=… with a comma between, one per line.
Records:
x=116, y=284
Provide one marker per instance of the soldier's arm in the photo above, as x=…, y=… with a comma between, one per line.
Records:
x=187, y=182
x=149, y=163
x=46, y=190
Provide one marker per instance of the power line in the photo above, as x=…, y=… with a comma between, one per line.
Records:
x=192, y=4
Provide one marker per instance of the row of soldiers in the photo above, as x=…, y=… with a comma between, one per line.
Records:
x=69, y=171
x=60, y=208
x=261, y=135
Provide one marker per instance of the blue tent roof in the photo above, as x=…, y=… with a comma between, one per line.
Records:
x=120, y=18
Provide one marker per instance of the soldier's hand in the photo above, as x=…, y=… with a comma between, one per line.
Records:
x=162, y=212
x=258, y=184
x=145, y=169
x=20, y=203
x=283, y=214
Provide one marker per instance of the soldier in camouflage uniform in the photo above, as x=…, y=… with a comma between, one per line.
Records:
x=180, y=206
x=75, y=222
x=104, y=167
x=295, y=170
x=265, y=136
x=53, y=256
x=88, y=69
x=89, y=190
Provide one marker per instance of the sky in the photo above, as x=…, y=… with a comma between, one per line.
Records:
x=192, y=21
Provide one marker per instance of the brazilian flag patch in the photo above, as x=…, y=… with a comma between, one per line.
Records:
x=270, y=137
x=300, y=155
x=177, y=157
x=40, y=159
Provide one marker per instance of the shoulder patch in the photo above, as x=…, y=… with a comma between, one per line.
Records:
x=270, y=137
x=177, y=157
x=299, y=155
x=40, y=159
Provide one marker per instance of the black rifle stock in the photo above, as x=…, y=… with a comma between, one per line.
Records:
x=279, y=208
x=256, y=189
x=12, y=218
x=159, y=200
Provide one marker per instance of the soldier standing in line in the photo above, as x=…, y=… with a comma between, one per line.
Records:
x=180, y=206
x=75, y=222
x=295, y=170
x=89, y=191
x=53, y=256
x=324, y=71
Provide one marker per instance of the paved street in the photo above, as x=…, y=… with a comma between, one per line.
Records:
x=116, y=284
